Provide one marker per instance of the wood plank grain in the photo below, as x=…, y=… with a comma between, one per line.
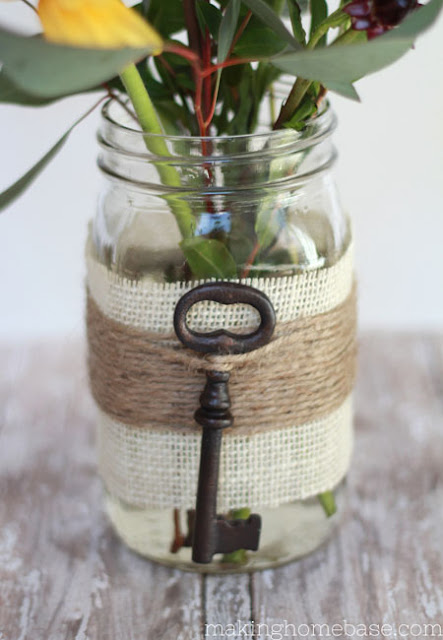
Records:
x=227, y=607
x=63, y=573
x=385, y=566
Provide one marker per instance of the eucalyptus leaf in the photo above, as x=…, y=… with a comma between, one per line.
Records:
x=157, y=90
x=345, y=89
x=208, y=258
x=166, y=16
x=244, y=104
x=262, y=79
x=270, y=221
x=319, y=12
x=307, y=109
x=11, y=94
x=258, y=41
x=208, y=16
x=15, y=190
x=51, y=70
x=297, y=25
x=185, y=81
x=272, y=20
x=228, y=26
x=172, y=117
x=338, y=66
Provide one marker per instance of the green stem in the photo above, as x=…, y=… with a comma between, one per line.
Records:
x=301, y=85
x=239, y=556
x=142, y=103
x=272, y=103
x=336, y=19
x=296, y=95
x=327, y=501
x=347, y=37
x=278, y=6
x=150, y=123
x=30, y=5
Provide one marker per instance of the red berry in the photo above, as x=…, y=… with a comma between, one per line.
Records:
x=358, y=9
x=377, y=16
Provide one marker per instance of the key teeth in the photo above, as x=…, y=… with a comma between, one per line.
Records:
x=238, y=534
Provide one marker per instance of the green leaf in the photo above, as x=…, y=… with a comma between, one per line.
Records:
x=319, y=12
x=208, y=258
x=167, y=17
x=307, y=109
x=228, y=26
x=185, y=81
x=172, y=117
x=271, y=19
x=270, y=221
x=241, y=237
x=208, y=16
x=297, y=26
x=16, y=190
x=157, y=90
x=338, y=66
x=344, y=89
x=258, y=41
x=51, y=70
x=11, y=94
x=263, y=77
x=243, y=108
x=338, y=19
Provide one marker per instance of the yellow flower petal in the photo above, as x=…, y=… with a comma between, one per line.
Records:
x=96, y=24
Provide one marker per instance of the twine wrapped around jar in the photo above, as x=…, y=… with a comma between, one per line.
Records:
x=291, y=400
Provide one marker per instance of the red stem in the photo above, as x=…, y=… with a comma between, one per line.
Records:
x=179, y=539
x=183, y=51
x=204, y=107
x=240, y=30
x=212, y=109
x=193, y=58
x=227, y=63
x=200, y=76
x=167, y=66
x=194, y=36
x=198, y=102
x=206, y=65
x=207, y=108
x=250, y=260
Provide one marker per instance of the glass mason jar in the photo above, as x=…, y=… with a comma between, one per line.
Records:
x=185, y=208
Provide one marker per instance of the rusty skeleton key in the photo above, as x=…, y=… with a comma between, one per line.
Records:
x=213, y=533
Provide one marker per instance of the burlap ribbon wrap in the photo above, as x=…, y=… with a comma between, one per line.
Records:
x=292, y=435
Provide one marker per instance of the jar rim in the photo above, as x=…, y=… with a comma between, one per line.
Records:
x=131, y=155
x=321, y=125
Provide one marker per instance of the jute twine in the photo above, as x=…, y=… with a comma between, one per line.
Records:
x=148, y=380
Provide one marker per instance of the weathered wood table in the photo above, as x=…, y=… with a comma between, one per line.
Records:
x=64, y=574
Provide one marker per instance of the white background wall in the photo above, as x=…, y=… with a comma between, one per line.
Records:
x=390, y=172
